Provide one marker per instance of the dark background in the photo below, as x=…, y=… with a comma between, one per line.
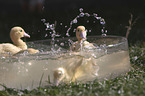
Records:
x=115, y=12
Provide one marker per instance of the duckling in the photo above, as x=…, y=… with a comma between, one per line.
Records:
x=16, y=34
x=59, y=75
x=81, y=36
x=78, y=70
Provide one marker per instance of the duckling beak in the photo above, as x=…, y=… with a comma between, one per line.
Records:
x=26, y=35
x=83, y=35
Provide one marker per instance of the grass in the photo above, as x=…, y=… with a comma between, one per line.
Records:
x=130, y=84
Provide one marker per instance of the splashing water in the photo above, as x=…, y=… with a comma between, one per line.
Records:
x=51, y=28
x=82, y=14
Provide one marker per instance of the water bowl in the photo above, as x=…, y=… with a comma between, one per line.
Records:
x=109, y=59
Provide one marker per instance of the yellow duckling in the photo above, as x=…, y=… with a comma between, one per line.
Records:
x=81, y=69
x=16, y=34
x=81, y=36
x=66, y=74
x=59, y=75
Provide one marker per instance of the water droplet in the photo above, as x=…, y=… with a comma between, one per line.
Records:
x=98, y=18
x=29, y=63
x=62, y=44
x=81, y=9
x=104, y=34
x=43, y=20
x=105, y=31
x=87, y=21
x=87, y=14
x=78, y=17
x=67, y=34
x=95, y=15
x=102, y=30
x=74, y=30
x=47, y=25
x=51, y=26
x=71, y=22
x=60, y=23
x=90, y=30
x=102, y=21
x=81, y=14
x=45, y=35
x=57, y=35
x=75, y=21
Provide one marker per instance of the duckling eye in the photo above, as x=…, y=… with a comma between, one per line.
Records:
x=59, y=73
x=78, y=30
x=21, y=30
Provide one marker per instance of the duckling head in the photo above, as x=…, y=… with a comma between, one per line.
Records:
x=17, y=33
x=59, y=74
x=81, y=33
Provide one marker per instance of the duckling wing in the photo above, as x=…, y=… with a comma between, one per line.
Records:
x=81, y=68
x=26, y=51
x=88, y=45
x=88, y=70
x=76, y=46
x=7, y=47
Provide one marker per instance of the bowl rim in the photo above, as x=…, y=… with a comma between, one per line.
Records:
x=74, y=38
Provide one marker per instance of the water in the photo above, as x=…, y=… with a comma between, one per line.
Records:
x=81, y=15
x=108, y=59
x=51, y=27
x=26, y=71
